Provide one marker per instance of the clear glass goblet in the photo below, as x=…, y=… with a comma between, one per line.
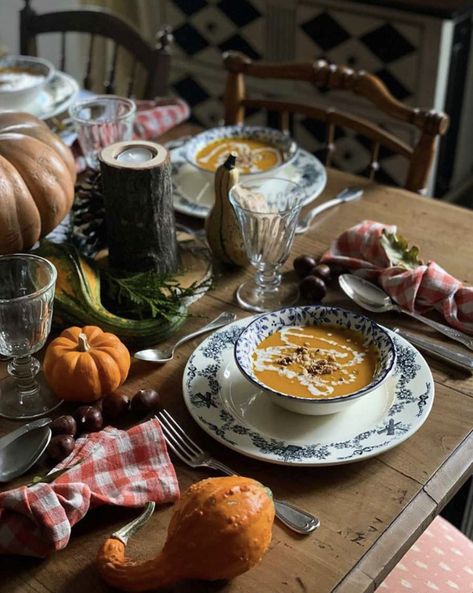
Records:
x=100, y=121
x=26, y=306
x=267, y=211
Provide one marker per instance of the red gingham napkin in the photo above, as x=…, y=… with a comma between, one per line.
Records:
x=153, y=118
x=426, y=287
x=117, y=467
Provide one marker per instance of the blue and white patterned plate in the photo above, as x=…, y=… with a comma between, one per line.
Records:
x=239, y=415
x=193, y=190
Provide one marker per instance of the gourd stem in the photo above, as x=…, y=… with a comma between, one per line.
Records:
x=83, y=343
x=131, y=528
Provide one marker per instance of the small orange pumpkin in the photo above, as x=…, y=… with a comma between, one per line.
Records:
x=83, y=364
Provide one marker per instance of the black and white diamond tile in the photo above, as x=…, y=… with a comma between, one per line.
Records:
x=388, y=49
x=204, y=94
x=204, y=29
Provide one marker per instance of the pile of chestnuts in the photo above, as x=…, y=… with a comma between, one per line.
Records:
x=89, y=418
x=314, y=277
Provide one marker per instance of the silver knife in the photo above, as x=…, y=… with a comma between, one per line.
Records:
x=453, y=357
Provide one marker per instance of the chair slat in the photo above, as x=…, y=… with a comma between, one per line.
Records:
x=329, y=147
x=109, y=84
x=131, y=80
x=373, y=166
x=88, y=68
x=284, y=123
x=98, y=21
x=62, y=61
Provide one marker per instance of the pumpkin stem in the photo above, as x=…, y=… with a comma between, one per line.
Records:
x=83, y=343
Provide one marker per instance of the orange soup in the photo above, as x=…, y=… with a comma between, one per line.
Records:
x=253, y=156
x=315, y=362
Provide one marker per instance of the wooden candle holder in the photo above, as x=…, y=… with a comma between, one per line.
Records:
x=139, y=214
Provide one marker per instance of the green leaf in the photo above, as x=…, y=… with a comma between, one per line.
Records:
x=398, y=252
x=148, y=294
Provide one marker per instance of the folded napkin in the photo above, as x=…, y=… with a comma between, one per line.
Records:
x=153, y=118
x=425, y=287
x=117, y=467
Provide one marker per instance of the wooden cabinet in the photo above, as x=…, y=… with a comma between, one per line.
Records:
x=420, y=57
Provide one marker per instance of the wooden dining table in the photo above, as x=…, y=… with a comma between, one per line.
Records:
x=370, y=511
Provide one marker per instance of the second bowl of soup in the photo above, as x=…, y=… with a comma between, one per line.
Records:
x=316, y=359
x=258, y=149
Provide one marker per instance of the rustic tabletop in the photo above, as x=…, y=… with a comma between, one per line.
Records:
x=371, y=511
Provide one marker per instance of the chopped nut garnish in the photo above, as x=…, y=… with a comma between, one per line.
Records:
x=322, y=367
x=309, y=361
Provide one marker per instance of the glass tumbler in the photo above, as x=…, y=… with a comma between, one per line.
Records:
x=267, y=211
x=101, y=121
x=26, y=305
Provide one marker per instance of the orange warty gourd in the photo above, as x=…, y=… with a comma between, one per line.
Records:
x=221, y=528
x=84, y=363
x=37, y=176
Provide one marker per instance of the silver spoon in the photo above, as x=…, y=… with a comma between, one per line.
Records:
x=21, y=448
x=346, y=195
x=370, y=297
x=164, y=355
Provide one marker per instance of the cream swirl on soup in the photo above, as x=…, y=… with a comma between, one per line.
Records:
x=253, y=156
x=320, y=362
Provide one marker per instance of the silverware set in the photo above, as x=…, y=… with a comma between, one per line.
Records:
x=372, y=298
x=192, y=455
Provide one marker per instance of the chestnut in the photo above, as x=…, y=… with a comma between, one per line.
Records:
x=64, y=425
x=88, y=419
x=303, y=264
x=115, y=405
x=144, y=401
x=312, y=289
x=60, y=446
x=321, y=271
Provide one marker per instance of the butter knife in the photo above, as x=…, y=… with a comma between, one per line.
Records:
x=443, y=353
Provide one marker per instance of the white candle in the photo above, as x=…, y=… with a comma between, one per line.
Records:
x=135, y=154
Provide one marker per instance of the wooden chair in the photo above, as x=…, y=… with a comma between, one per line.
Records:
x=101, y=23
x=430, y=124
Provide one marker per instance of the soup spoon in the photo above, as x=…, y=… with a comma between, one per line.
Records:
x=368, y=296
x=161, y=355
x=21, y=448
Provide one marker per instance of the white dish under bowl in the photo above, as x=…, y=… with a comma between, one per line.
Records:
x=21, y=98
x=317, y=315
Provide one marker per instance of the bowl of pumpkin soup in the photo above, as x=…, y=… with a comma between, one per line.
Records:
x=316, y=359
x=259, y=149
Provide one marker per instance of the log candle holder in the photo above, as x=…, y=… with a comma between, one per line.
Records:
x=137, y=189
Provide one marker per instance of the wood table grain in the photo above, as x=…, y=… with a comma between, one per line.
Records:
x=371, y=511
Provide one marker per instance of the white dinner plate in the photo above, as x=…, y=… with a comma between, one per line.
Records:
x=193, y=190
x=242, y=417
x=55, y=98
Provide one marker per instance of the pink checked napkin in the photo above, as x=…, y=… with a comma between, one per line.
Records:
x=426, y=287
x=153, y=118
x=117, y=467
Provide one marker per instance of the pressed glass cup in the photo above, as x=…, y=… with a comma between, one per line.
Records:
x=101, y=121
x=267, y=221
x=26, y=305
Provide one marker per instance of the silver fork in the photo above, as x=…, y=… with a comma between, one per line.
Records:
x=190, y=453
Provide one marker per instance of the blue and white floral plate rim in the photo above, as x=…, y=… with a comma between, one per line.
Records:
x=241, y=417
x=193, y=190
